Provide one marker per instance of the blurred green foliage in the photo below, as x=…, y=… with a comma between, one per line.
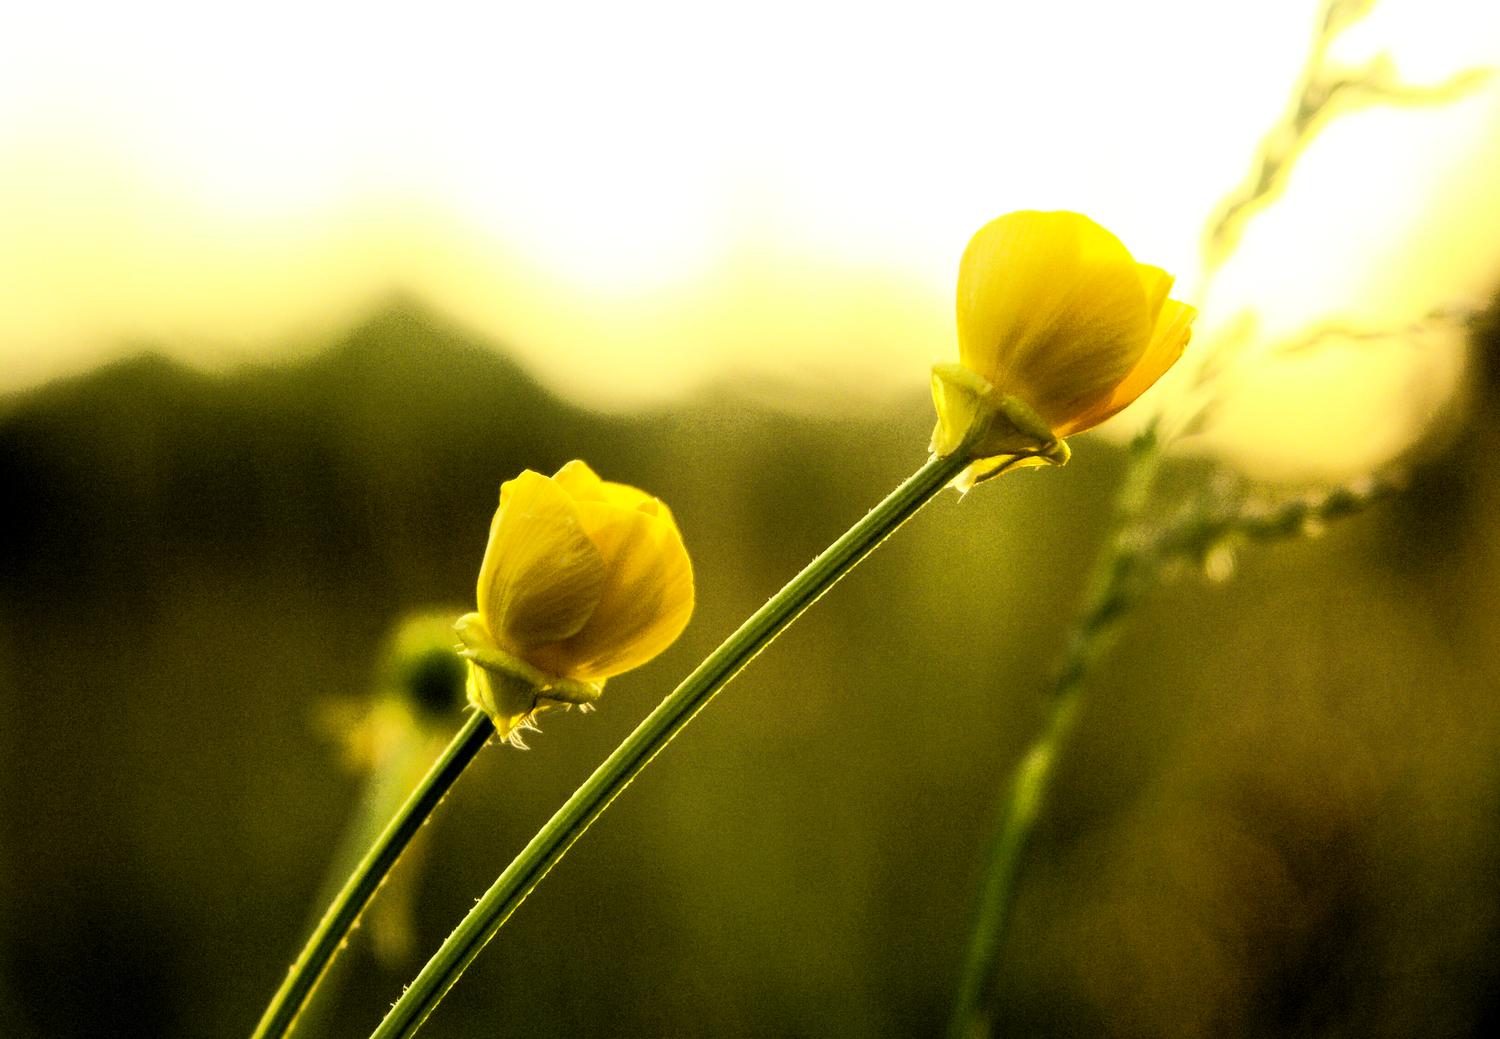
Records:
x=1281, y=817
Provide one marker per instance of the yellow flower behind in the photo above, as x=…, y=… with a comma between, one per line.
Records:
x=582, y=580
x=1058, y=329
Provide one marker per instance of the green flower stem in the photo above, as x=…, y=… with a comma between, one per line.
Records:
x=654, y=733
x=1113, y=588
x=330, y=933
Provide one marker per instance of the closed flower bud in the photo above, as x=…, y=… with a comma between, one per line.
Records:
x=1058, y=329
x=582, y=580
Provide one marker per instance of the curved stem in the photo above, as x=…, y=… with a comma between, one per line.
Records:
x=331, y=931
x=1113, y=587
x=654, y=733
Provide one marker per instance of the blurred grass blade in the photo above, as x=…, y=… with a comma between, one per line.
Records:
x=330, y=933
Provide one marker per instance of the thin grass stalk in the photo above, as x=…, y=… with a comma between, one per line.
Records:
x=1112, y=587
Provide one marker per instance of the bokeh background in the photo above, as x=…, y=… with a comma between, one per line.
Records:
x=286, y=295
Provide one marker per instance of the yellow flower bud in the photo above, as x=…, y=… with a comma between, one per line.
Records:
x=582, y=580
x=1058, y=329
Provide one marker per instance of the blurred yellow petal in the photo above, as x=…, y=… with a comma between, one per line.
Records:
x=541, y=577
x=1051, y=309
x=1057, y=322
x=1156, y=283
x=1174, y=328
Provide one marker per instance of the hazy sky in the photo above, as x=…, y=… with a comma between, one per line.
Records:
x=640, y=198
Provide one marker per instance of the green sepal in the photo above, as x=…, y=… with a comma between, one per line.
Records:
x=510, y=690
x=977, y=420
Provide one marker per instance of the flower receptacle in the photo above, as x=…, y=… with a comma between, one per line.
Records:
x=508, y=689
x=978, y=421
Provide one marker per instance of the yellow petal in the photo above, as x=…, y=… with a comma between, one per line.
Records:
x=646, y=600
x=1051, y=309
x=1157, y=284
x=582, y=484
x=542, y=576
x=1174, y=327
x=624, y=496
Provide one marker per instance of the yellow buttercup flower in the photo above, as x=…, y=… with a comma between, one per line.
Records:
x=582, y=579
x=1058, y=329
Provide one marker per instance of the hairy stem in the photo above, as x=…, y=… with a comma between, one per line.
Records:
x=328, y=937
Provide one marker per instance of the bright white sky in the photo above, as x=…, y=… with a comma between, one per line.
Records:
x=641, y=198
